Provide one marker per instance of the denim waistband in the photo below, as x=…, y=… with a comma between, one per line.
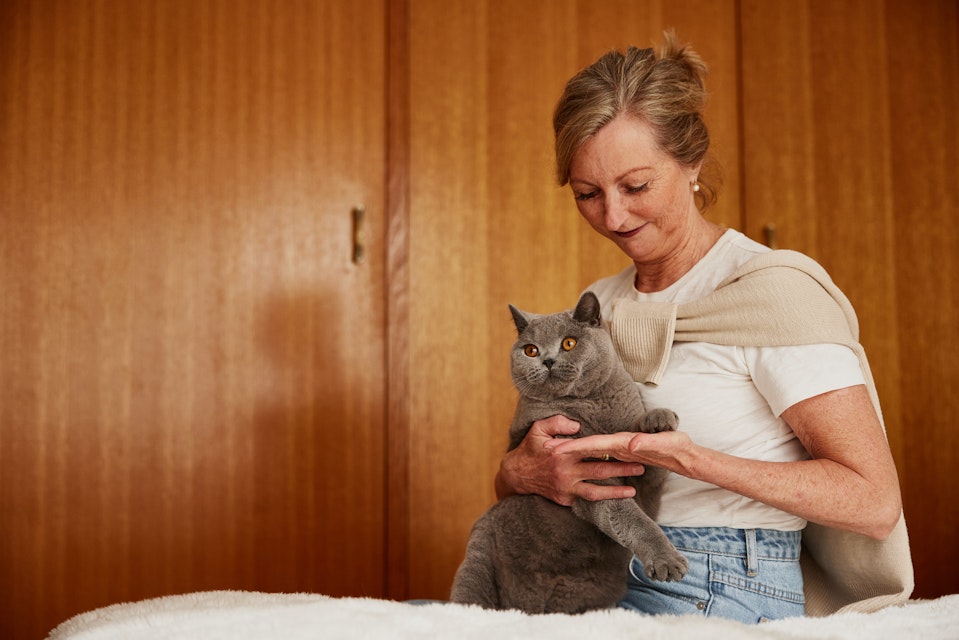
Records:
x=759, y=543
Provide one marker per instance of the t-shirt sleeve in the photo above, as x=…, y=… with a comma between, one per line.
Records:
x=787, y=375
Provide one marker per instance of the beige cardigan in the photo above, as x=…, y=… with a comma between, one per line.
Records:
x=777, y=299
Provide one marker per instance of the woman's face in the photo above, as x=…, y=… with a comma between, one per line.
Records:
x=632, y=192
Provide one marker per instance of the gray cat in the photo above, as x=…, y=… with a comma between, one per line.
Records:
x=532, y=554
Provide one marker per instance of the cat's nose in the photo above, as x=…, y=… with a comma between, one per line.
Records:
x=548, y=363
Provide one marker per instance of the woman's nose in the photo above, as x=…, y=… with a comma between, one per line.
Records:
x=615, y=212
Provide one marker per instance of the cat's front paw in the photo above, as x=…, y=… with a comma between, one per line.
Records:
x=660, y=420
x=670, y=566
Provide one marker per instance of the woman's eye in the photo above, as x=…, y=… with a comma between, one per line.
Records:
x=568, y=344
x=531, y=350
x=585, y=196
x=637, y=189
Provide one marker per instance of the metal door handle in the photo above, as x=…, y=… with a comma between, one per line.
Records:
x=769, y=233
x=359, y=240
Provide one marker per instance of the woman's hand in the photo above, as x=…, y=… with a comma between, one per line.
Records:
x=535, y=467
x=666, y=449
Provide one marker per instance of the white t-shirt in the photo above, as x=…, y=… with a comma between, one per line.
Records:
x=730, y=398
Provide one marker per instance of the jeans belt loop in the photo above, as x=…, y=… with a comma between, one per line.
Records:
x=752, y=562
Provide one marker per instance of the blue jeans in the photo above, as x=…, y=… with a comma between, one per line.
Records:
x=747, y=575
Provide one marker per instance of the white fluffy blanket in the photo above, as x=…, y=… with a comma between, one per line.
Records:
x=236, y=615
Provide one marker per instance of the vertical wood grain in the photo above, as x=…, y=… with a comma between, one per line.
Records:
x=449, y=261
x=399, y=499
x=778, y=156
x=923, y=69
x=193, y=375
x=193, y=380
x=848, y=141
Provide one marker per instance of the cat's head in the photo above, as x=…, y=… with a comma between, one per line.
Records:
x=562, y=354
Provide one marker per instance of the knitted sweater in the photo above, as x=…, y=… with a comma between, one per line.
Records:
x=779, y=298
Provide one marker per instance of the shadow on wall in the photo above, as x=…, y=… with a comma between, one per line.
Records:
x=318, y=486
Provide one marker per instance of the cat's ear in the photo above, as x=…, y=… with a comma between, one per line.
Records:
x=587, y=310
x=519, y=318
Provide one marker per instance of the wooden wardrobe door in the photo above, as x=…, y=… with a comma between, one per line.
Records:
x=192, y=372
x=490, y=226
x=923, y=70
x=849, y=148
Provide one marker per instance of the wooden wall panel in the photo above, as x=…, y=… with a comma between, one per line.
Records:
x=192, y=382
x=184, y=335
x=398, y=442
x=847, y=141
x=490, y=227
x=449, y=263
x=922, y=64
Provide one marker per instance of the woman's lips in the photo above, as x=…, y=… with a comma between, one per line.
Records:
x=630, y=233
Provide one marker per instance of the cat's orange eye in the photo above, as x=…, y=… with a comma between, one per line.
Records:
x=531, y=350
x=568, y=344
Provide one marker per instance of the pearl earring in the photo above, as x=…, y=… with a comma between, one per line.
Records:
x=695, y=186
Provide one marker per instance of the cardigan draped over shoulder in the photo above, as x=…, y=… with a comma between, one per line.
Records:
x=780, y=298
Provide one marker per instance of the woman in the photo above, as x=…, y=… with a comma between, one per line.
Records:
x=776, y=431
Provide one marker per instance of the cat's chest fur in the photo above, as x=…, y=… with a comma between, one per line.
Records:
x=616, y=407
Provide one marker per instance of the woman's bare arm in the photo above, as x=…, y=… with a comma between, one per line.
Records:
x=850, y=483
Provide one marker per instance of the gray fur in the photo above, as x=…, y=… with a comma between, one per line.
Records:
x=532, y=554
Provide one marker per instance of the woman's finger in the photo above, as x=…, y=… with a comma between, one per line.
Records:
x=614, y=444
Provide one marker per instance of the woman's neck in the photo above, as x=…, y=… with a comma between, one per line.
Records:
x=656, y=276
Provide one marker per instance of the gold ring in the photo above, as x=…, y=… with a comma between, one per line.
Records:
x=605, y=457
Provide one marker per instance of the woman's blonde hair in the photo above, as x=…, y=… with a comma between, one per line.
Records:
x=666, y=90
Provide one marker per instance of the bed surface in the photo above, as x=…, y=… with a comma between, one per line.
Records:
x=237, y=614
